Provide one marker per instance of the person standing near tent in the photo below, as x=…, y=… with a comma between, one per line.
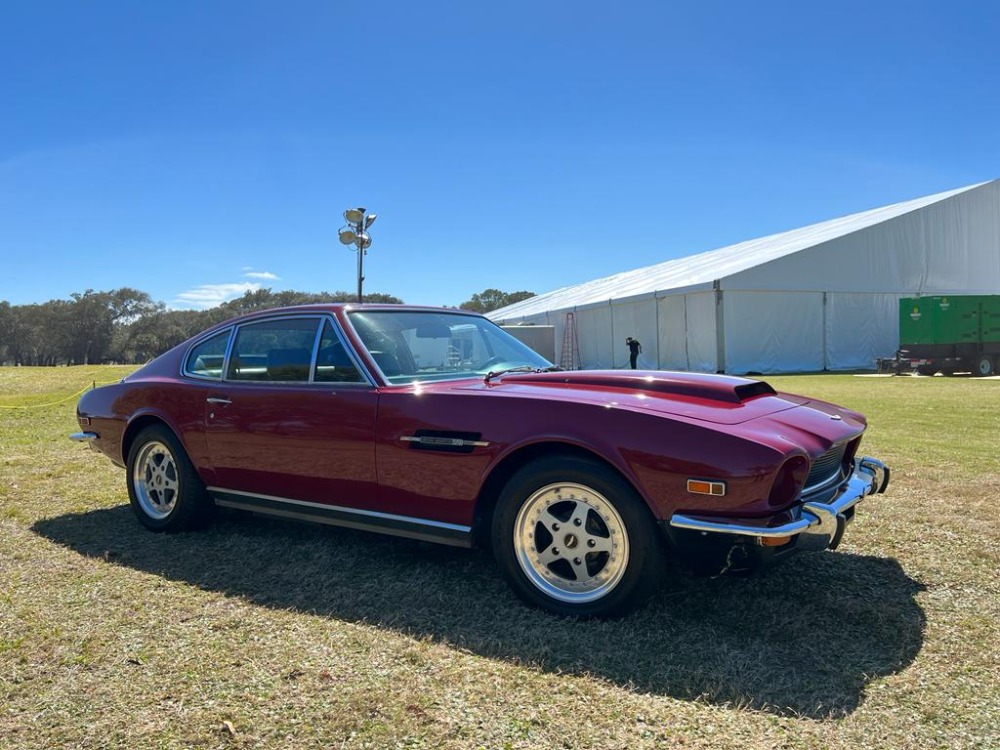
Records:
x=634, y=347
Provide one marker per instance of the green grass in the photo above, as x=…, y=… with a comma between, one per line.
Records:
x=263, y=634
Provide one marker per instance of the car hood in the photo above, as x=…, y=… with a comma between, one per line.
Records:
x=721, y=399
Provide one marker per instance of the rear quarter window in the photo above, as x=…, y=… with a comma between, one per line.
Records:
x=206, y=358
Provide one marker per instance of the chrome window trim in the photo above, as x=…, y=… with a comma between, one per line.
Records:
x=315, y=352
x=338, y=331
x=367, y=380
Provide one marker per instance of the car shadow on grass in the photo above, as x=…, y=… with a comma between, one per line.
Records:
x=803, y=640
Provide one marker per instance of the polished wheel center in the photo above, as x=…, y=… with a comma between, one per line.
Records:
x=570, y=541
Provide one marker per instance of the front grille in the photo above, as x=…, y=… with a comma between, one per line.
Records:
x=826, y=468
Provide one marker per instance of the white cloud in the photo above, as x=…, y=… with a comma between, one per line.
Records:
x=210, y=295
x=266, y=275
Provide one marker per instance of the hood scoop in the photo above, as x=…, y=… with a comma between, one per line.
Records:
x=722, y=388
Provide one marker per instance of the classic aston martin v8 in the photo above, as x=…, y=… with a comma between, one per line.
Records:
x=437, y=425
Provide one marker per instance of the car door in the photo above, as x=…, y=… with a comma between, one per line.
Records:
x=293, y=419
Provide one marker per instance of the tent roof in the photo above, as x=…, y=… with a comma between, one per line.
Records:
x=703, y=269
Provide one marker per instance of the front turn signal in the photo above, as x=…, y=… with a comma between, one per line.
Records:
x=775, y=541
x=706, y=487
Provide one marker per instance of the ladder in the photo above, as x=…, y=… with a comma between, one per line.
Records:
x=570, y=357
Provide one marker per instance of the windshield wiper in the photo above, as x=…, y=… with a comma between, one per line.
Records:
x=522, y=368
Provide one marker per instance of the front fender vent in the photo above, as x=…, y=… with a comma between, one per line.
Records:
x=444, y=441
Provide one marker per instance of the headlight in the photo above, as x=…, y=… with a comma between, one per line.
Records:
x=788, y=482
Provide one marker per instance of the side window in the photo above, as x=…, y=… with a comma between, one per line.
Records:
x=206, y=358
x=274, y=351
x=334, y=365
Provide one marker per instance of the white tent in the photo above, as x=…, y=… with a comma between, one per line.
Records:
x=824, y=297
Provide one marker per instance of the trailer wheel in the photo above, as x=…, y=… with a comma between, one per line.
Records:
x=984, y=366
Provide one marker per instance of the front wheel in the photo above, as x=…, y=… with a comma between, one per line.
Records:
x=164, y=489
x=573, y=537
x=984, y=366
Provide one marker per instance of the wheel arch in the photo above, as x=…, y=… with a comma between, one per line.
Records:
x=137, y=425
x=489, y=492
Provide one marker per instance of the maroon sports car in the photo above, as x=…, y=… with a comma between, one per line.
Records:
x=437, y=425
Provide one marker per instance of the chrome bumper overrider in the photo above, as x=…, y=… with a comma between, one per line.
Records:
x=819, y=525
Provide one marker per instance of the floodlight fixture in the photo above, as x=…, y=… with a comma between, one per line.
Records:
x=355, y=233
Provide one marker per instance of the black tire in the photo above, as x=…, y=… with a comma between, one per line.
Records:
x=549, y=566
x=164, y=489
x=984, y=365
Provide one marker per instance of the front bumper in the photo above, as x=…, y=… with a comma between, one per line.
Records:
x=817, y=525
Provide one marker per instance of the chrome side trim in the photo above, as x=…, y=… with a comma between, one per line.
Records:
x=444, y=441
x=823, y=522
x=83, y=437
x=337, y=515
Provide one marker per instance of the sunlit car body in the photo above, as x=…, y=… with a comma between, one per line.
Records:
x=437, y=425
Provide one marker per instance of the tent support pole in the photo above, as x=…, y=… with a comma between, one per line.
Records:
x=720, y=329
x=826, y=359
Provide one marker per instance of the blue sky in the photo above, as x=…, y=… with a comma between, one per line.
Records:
x=193, y=149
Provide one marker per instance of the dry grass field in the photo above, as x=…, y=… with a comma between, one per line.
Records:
x=264, y=634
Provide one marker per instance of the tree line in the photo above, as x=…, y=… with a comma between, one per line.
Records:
x=127, y=326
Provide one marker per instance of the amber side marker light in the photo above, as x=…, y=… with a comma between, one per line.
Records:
x=705, y=487
x=775, y=541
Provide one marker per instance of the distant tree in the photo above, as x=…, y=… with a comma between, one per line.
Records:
x=86, y=327
x=6, y=329
x=126, y=325
x=493, y=299
x=264, y=299
x=39, y=334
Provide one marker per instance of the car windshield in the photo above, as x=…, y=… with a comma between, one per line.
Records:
x=411, y=346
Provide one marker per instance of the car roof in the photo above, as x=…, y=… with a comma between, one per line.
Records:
x=334, y=307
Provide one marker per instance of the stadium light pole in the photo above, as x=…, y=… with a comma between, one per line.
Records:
x=356, y=233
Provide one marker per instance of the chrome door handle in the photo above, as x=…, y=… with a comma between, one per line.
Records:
x=216, y=400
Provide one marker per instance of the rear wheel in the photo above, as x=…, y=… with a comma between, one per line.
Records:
x=572, y=536
x=984, y=366
x=164, y=490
